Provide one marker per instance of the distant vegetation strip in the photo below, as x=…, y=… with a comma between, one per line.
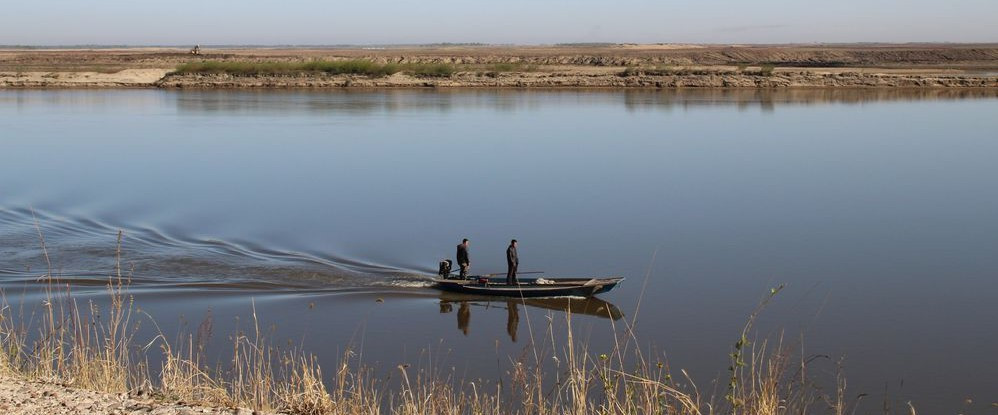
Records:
x=339, y=67
x=667, y=70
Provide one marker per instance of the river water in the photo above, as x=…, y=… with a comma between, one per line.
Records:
x=328, y=211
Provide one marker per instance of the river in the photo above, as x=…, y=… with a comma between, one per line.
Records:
x=328, y=211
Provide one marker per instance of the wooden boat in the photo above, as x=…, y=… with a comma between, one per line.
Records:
x=532, y=288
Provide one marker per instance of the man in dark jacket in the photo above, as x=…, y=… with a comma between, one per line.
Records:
x=462, y=258
x=512, y=261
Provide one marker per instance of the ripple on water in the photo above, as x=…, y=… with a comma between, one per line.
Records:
x=82, y=252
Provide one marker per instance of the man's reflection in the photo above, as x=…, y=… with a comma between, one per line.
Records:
x=590, y=306
x=512, y=319
x=463, y=317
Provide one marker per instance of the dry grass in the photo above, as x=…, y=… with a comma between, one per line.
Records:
x=97, y=349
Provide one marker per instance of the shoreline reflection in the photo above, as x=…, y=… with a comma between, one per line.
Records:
x=362, y=102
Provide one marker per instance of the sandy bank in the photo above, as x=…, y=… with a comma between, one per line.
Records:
x=58, y=79
x=24, y=397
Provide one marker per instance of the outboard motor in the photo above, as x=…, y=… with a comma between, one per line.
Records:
x=445, y=267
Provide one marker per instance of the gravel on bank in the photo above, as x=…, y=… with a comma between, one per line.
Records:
x=29, y=397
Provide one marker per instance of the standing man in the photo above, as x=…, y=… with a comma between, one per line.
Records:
x=462, y=258
x=512, y=261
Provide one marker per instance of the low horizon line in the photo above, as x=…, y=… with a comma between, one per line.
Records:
x=480, y=44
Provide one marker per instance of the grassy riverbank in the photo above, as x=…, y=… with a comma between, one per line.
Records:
x=98, y=349
x=342, y=67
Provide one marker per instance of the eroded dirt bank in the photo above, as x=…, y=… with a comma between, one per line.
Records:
x=570, y=80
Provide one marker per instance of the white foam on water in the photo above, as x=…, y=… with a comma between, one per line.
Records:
x=407, y=283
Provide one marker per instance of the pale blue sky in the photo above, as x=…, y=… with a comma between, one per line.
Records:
x=54, y=22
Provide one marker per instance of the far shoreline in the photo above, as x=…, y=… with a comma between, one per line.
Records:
x=620, y=66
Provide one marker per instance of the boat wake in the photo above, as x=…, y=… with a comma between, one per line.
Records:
x=82, y=251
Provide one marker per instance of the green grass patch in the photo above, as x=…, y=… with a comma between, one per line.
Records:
x=354, y=67
x=667, y=70
x=493, y=70
x=510, y=67
x=440, y=70
x=343, y=67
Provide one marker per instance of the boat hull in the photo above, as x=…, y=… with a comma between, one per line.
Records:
x=529, y=288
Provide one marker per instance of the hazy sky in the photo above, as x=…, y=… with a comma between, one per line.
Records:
x=65, y=22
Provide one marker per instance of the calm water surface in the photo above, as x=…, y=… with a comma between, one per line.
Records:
x=877, y=209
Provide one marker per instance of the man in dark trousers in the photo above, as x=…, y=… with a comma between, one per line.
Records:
x=512, y=261
x=462, y=258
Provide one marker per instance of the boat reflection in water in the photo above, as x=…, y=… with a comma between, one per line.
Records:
x=589, y=306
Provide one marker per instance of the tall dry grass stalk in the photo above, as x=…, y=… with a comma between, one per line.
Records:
x=183, y=376
x=97, y=349
x=87, y=349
